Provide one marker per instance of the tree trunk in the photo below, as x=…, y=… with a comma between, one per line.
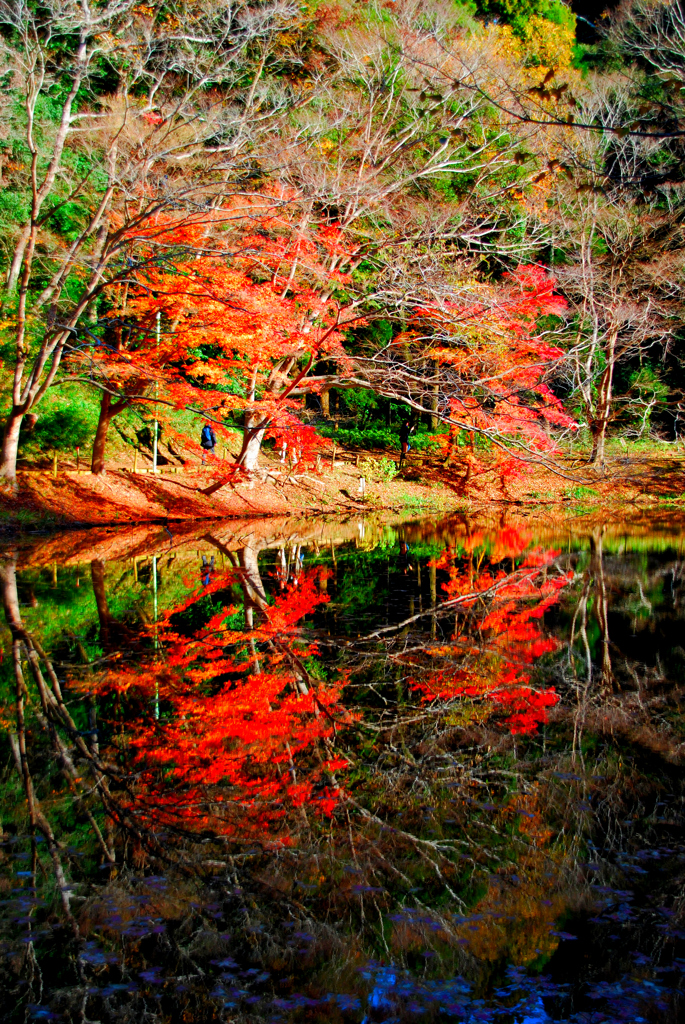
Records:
x=598, y=429
x=252, y=442
x=435, y=399
x=325, y=404
x=249, y=453
x=108, y=411
x=10, y=449
x=600, y=423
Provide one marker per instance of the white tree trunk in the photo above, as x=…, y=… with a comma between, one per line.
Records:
x=252, y=443
x=10, y=449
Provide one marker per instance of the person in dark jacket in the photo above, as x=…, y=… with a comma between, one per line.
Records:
x=207, y=572
x=406, y=430
x=207, y=441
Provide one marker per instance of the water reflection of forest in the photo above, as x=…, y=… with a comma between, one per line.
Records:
x=281, y=769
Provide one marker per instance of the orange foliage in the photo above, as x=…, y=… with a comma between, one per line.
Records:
x=245, y=314
x=500, y=366
x=248, y=309
x=243, y=733
x=486, y=662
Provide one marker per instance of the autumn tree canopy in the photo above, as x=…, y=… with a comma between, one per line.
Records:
x=332, y=170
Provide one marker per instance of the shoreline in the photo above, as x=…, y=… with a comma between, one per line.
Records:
x=77, y=500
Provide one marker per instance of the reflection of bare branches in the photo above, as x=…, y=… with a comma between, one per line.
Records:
x=22, y=645
x=612, y=689
x=597, y=569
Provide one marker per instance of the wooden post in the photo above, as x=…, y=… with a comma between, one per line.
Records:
x=78, y=452
x=135, y=461
x=333, y=459
x=54, y=465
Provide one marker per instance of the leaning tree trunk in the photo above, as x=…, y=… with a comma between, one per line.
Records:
x=10, y=449
x=252, y=441
x=108, y=410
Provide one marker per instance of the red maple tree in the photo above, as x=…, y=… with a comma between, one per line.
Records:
x=495, y=366
x=231, y=323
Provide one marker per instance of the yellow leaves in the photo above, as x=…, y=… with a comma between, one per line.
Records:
x=547, y=43
x=506, y=43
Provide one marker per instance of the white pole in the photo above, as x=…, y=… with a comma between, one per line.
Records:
x=154, y=442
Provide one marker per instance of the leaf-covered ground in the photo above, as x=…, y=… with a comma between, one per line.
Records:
x=424, y=486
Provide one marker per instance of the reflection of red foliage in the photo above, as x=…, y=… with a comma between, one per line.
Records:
x=485, y=659
x=238, y=741
x=526, y=708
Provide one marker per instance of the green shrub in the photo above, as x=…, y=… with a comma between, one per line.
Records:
x=14, y=206
x=377, y=437
x=61, y=427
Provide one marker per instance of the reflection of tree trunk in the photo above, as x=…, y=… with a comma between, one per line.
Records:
x=434, y=595
x=97, y=573
x=22, y=645
x=255, y=597
x=249, y=625
x=93, y=725
x=251, y=577
x=52, y=715
x=247, y=560
x=601, y=608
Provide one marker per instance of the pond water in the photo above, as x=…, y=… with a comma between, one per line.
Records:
x=286, y=770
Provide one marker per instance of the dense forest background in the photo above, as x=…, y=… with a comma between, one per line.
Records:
x=268, y=215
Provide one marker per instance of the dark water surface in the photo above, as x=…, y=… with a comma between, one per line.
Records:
x=344, y=771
